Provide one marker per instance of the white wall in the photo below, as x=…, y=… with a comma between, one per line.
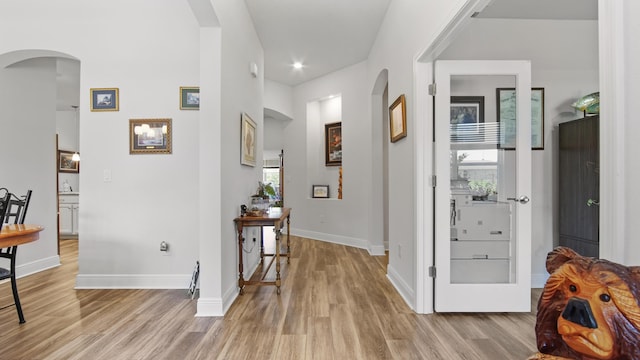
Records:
x=341, y=221
x=278, y=97
x=29, y=152
x=150, y=50
x=564, y=61
x=319, y=113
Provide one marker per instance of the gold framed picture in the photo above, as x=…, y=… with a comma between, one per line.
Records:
x=189, y=98
x=105, y=99
x=248, y=141
x=149, y=136
x=398, y=119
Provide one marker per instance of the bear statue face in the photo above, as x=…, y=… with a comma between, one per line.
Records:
x=589, y=309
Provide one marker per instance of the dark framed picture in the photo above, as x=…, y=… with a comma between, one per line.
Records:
x=398, y=119
x=506, y=105
x=320, y=191
x=66, y=163
x=467, y=115
x=248, y=141
x=333, y=144
x=189, y=98
x=105, y=99
x=150, y=136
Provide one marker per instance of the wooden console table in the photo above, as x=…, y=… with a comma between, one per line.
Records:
x=275, y=217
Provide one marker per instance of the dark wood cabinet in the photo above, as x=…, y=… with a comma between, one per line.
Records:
x=579, y=185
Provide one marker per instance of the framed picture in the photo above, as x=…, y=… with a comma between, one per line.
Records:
x=467, y=113
x=105, y=99
x=65, y=164
x=320, y=191
x=150, y=136
x=248, y=141
x=333, y=144
x=506, y=105
x=398, y=119
x=189, y=98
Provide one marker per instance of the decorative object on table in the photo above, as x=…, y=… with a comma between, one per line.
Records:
x=589, y=309
x=66, y=163
x=588, y=104
x=189, y=98
x=320, y=191
x=150, y=136
x=333, y=144
x=247, y=141
x=260, y=201
x=398, y=119
x=105, y=99
x=506, y=105
x=467, y=113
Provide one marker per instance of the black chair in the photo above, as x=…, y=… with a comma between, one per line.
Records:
x=12, y=210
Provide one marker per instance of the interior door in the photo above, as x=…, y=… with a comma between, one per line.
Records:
x=483, y=172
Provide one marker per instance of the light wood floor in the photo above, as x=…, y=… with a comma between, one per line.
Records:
x=336, y=303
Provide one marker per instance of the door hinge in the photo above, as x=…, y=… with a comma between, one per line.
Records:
x=432, y=89
x=432, y=271
x=433, y=181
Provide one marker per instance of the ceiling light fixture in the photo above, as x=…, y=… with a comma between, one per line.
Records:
x=297, y=65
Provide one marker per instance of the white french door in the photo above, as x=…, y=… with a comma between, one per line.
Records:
x=483, y=170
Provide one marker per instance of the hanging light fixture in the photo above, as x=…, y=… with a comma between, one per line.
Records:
x=76, y=156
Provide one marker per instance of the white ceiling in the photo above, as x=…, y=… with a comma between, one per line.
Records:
x=328, y=35
x=325, y=35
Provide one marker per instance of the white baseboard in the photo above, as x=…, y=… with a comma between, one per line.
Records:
x=402, y=287
x=37, y=266
x=209, y=307
x=374, y=250
x=124, y=281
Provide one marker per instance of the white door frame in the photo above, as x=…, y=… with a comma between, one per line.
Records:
x=612, y=154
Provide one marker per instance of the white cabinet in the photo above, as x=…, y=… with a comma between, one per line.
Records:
x=68, y=210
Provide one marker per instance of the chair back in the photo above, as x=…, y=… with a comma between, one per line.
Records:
x=5, y=195
x=17, y=208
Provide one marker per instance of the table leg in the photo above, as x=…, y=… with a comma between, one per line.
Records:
x=261, y=245
x=278, y=233
x=240, y=266
x=288, y=241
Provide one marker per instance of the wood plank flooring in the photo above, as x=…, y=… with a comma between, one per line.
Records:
x=336, y=303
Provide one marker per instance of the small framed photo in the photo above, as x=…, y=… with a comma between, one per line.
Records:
x=333, y=144
x=189, y=98
x=467, y=115
x=320, y=191
x=248, y=141
x=105, y=99
x=506, y=98
x=66, y=163
x=150, y=136
x=398, y=119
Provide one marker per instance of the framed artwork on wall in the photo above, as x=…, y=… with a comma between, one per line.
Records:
x=506, y=105
x=320, y=191
x=333, y=144
x=105, y=99
x=150, y=136
x=248, y=141
x=467, y=115
x=65, y=162
x=398, y=119
x=189, y=98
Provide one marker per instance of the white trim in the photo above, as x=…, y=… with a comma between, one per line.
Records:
x=230, y=296
x=612, y=138
x=335, y=239
x=37, y=266
x=210, y=307
x=136, y=281
x=402, y=287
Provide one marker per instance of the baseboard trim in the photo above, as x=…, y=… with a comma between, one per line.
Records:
x=209, y=307
x=402, y=287
x=124, y=281
x=37, y=266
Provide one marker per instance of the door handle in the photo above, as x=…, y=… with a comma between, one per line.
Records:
x=593, y=202
x=522, y=199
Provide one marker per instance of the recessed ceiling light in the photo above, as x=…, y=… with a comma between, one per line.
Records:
x=297, y=65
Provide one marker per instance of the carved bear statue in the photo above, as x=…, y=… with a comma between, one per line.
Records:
x=589, y=309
